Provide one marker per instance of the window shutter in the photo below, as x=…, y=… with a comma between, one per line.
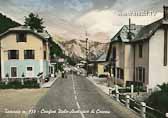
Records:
x=144, y=75
x=33, y=54
x=17, y=37
x=17, y=54
x=9, y=55
x=25, y=54
x=165, y=47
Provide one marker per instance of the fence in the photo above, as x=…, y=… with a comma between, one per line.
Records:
x=139, y=107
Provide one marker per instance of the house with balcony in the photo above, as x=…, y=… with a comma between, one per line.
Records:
x=24, y=53
x=142, y=53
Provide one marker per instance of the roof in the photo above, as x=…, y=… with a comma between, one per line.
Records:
x=122, y=35
x=43, y=35
x=101, y=58
x=147, y=31
x=140, y=33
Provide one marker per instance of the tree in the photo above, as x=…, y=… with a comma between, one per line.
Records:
x=159, y=99
x=35, y=22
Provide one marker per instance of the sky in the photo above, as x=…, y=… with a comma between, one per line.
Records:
x=72, y=18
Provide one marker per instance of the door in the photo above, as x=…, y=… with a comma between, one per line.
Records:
x=13, y=72
x=52, y=71
x=29, y=72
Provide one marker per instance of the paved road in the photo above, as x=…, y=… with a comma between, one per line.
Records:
x=77, y=94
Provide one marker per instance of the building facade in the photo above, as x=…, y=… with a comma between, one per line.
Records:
x=143, y=55
x=24, y=53
x=121, y=55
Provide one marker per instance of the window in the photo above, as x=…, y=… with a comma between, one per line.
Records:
x=136, y=74
x=120, y=73
x=140, y=50
x=106, y=68
x=140, y=74
x=114, y=72
x=114, y=52
x=13, y=54
x=143, y=70
x=29, y=54
x=45, y=55
x=165, y=48
x=13, y=72
x=52, y=70
x=29, y=68
x=21, y=37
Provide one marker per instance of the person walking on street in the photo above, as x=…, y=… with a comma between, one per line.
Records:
x=108, y=80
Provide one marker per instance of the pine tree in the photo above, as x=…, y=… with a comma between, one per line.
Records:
x=35, y=22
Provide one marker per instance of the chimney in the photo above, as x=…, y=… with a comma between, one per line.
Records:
x=165, y=12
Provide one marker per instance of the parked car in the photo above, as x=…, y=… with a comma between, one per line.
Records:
x=47, y=79
x=102, y=78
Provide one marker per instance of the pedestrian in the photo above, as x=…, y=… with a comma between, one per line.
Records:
x=63, y=74
x=108, y=79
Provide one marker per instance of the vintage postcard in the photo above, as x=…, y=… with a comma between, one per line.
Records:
x=83, y=59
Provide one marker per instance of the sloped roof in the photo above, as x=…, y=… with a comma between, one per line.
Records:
x=102, y=57
x=122, y=35
x=43, y=35
x=147, y=31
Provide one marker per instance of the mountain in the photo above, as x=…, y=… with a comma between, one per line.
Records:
x=76, y=48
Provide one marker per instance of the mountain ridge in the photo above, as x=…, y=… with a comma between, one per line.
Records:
x=76, y=48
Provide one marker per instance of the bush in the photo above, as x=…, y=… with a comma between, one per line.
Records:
x=17, y=85
x=159, y=99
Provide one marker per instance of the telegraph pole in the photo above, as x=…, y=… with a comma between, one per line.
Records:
x=86, y=53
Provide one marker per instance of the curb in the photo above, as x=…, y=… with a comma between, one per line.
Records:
x=50, y=83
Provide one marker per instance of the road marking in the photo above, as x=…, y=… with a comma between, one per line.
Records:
x=74, y=92
x=77, y=103
x=82, y=114
x=76, y=98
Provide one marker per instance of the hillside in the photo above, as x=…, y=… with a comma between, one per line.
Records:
x=6, y=23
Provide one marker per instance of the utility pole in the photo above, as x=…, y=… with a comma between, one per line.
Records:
x=86, y=52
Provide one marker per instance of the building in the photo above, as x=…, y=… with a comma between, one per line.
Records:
x=145, y=54
x=24, y=53
x=120, y=54
x=99, y=66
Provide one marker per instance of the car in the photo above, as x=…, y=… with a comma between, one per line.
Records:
x=47, y=79
x=102, y=77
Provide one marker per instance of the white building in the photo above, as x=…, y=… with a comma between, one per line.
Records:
x=145, y=55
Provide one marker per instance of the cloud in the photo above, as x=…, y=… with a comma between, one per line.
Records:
x=78, y=5
x=109, y=20
x=63, y=16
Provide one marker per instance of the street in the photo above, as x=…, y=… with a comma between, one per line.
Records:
x=76, y=97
